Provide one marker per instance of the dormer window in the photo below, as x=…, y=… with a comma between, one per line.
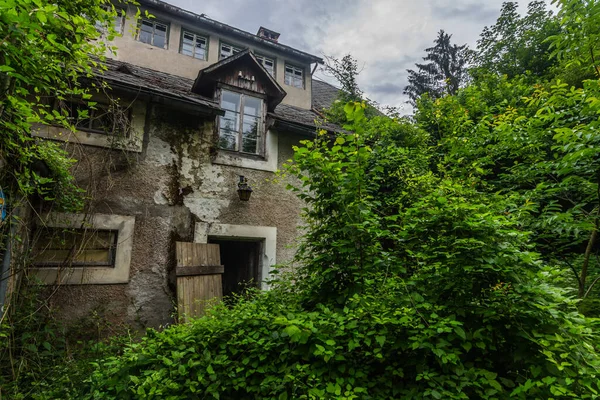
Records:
x=266, y=62
x=294, y=76
x=153, y=32
x=241, y=128
x=227, y=50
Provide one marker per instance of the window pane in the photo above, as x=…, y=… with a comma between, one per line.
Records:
x=200, y=49
x=187, y=49
x=252, y=106
x=159, y=39
x=230, y=101
x=225, y=51
x=227, y=139
x=145, y=36
x=103, y=121
x=249, y=146
x=160, y=30
x=250, y=134
x=77, y=247
x=118, y=22
x=230, y=121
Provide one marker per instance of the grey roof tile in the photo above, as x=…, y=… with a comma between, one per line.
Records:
x=149, y=80
x=161, y=83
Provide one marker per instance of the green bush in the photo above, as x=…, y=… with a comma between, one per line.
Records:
x=413, y=286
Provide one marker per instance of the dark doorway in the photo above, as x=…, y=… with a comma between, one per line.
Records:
x=242, y=263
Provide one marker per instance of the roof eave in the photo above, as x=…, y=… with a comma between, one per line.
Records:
x=219, y=26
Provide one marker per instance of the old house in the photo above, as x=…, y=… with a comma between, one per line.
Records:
x=200, y=105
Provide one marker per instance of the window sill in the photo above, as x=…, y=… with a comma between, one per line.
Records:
x=251, y=161
x=91, y=275
x=133, y=143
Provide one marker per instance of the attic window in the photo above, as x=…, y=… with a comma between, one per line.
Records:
x=294, y=76
x=267, y=62
x=227, y=50
x=240, y=129
x=193, y=45
x=153, y=32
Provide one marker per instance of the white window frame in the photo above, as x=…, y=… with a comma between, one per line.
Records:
x=119, y=273
x=240, y=133
x=262, y=59
x=154, y=24
x=293, y=78
x=195, y=40
x=233, y=50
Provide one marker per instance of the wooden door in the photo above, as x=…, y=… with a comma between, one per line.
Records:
x=199, y=278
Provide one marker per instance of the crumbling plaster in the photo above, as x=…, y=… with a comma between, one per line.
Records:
x=171, y=187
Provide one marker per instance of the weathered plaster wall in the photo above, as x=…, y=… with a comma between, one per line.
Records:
x=170, y=187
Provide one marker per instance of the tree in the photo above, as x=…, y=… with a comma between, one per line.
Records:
x=345, y=71
x=517, y=44
x=51, y=50
x=48, y=47
x=445, y=72
x=577, y=44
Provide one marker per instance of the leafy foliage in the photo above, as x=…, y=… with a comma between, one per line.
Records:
x=47, y=48
x=517, y=44
x=413, y=286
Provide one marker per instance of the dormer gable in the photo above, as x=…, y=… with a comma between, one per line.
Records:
x=240, y=71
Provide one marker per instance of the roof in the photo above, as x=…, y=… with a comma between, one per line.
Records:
x=307, y=120
x=146, y=80
x=323, y=94
x=203, y=21
x=207, y=76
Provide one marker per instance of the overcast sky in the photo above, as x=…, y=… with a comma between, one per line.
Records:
x=385, y=36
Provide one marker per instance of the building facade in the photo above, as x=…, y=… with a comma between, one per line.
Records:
x=192, y=106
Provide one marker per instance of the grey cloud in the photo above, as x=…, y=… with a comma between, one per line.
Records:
x=478, y=11
x=386, y=36
x=386, y=88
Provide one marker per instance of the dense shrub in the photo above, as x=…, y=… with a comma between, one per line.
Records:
x=413, y=286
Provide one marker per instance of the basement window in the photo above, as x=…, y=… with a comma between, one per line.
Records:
x=227, y=50
x=153, y=32
x=240, y=129
x=75, y=247
x=194, y=45
x=294, y=76
x=82, y=249
x=267, y=62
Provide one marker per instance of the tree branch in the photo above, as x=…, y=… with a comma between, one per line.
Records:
x=594, y=62
x=587, y=292
x=579, y=285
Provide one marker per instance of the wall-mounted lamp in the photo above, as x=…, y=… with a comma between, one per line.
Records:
x=244, y=189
